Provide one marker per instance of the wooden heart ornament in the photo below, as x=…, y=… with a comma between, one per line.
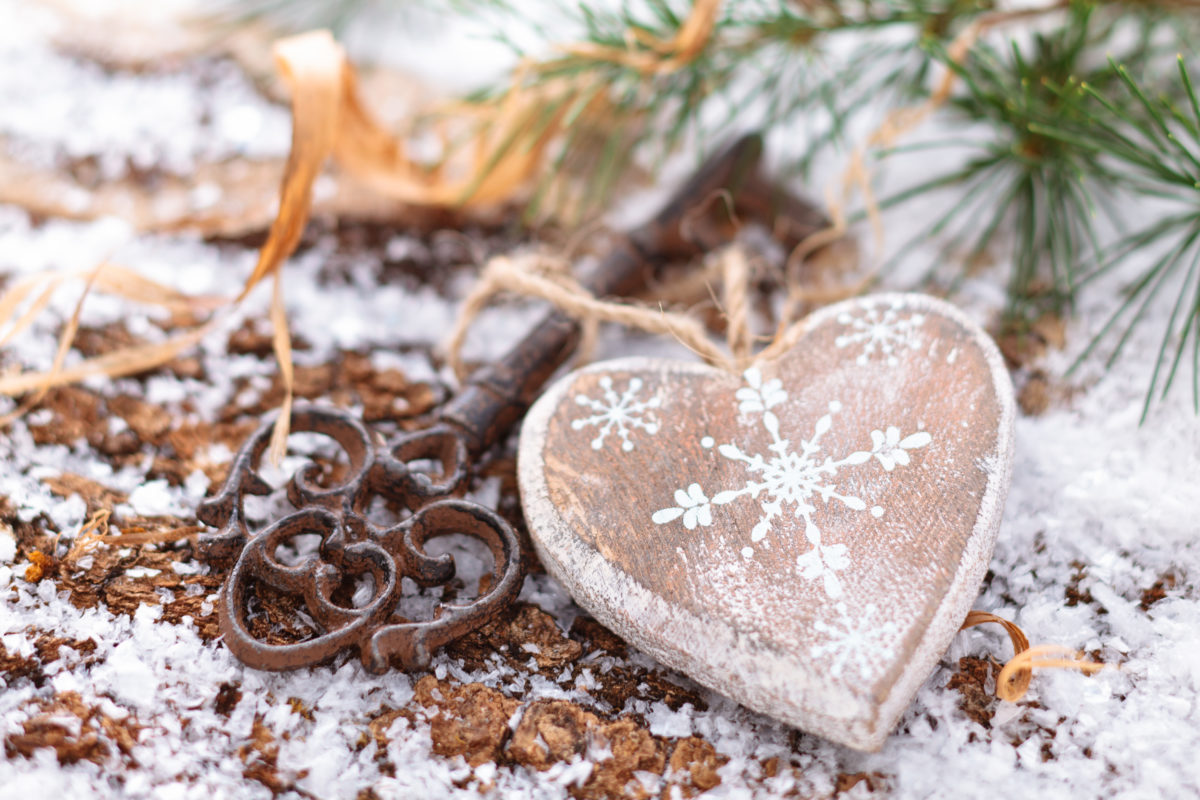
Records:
x=805, y=538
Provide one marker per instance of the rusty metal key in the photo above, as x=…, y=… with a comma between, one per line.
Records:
x=493, y=399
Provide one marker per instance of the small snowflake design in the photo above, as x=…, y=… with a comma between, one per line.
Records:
x=792, y=480
x=857, y=645
x=881, y=330
x=623, y=413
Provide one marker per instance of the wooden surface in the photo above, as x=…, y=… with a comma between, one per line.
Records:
x=805, y=537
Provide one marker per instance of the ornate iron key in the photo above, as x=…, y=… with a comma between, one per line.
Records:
x=486, y=408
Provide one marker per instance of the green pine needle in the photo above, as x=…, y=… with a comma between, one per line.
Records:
x=1155, y=152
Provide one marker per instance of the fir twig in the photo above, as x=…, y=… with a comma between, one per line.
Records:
x=1155, y=146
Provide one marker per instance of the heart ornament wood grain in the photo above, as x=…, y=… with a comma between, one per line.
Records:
x=805, y=538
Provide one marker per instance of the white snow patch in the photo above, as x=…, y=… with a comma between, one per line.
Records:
x=154, y=499
x=8, y=544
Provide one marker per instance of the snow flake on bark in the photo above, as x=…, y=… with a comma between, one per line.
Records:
x=856, y=644
x=791, y=480
x=623, y=413
x=882, y=330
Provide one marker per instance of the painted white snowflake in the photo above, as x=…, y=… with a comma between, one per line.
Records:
x=622, y=412
x=860, y=643
x=883, y=329
x=823, y=561
x=792, y=479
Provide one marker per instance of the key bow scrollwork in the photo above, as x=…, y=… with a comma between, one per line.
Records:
x=352, y=547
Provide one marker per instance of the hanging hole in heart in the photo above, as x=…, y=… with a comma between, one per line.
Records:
x=295, y=550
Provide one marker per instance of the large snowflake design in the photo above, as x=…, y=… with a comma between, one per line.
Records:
x=858, y=643
x=882, y=329
x=792, y=479
x=622, y=412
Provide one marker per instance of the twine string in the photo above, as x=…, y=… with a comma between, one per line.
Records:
x=546, y=278
x=736, y=275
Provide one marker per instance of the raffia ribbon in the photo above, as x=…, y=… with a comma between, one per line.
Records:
x=1013, y=680
x=329, y=121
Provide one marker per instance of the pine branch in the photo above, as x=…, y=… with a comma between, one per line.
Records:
x=1077, y=119
x=1030, y=180
x=1153, y=141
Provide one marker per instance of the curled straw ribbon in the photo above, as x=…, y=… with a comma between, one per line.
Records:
x=1013, y=680
x=547, y=278
x=329, y=121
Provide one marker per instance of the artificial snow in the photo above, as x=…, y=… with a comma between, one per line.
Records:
x=1090, y=486
x=8, y=545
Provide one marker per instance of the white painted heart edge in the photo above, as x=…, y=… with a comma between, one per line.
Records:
x=708, y=650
